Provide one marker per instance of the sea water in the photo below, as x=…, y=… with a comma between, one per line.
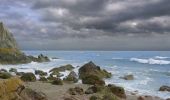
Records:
x=151, y=69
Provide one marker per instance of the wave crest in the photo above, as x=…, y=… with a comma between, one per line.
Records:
x=150, y=61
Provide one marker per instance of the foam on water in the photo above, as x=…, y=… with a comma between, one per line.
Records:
x=150, y=61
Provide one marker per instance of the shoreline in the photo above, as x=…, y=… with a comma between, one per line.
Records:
x=59, y=92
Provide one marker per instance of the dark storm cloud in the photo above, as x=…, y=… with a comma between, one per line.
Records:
x=60, y=23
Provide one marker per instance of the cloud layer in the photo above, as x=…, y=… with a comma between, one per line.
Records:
x=89, y=24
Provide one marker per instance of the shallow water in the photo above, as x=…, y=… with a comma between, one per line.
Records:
x=151, y=69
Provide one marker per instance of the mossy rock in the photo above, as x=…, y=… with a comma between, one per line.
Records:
x=92, y=69
x=43, y=79
x=117, y=90
x=93, y=80
x=72, y=77
x=95, y=97
x=94, y=89
x=51, y=78
x=57, y=81
x=40, y=72
x=62, y=68
x=28, y=77
x=5, y=75
x=13, y=70
x=76, y=91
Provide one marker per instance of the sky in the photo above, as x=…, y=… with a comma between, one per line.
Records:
x=88, y=24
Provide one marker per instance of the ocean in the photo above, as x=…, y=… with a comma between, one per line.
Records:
x=151, y=69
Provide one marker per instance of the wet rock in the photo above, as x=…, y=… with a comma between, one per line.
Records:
x=5, y=75
x=19, y=73
x=117, y=90
x=13, y=70
x=40, y=72
x=28, y=77
x=72, y=77
x=128, y=77
x=164, y=88
x=93, y=80
x=92, y=69
x=43, y=79
x=76, y=91
x=3, y=70
x=57, y=81
x=62, y=68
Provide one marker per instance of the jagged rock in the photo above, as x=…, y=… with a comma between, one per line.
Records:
x=128, y=77
x=164, y=88
x=40, y=72
x=91, y=69
x=3, y=70
x=43, y=79
x=9, y=51
x=13, y=70
x=62, y=68
x=76, y=91
x=72, y=77
x=93, y=89
x=94, y=97
x=93, y=80
x=29, y=94
x=28, y=77
x=117, y=90
x=5, y=75
x=6, y=38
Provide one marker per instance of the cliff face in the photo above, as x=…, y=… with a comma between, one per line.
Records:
x=9, y=51
x=6, y=38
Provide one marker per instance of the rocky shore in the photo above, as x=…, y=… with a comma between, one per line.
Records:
x=10, y=52
x=88, y=84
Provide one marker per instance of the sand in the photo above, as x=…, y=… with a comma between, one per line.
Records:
x=60, y=92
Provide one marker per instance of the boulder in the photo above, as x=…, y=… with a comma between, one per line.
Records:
x=5, y=75
x=92, y=80
x=57, y=81
x=92, y=69
x=76, y=91
x=95, y=97
x=62, y=68
x=28, y=77
x=128, y=77
x=117, y=90
x=43, y=79
x=72, y=77
x=94, y=89
x=19, y=73
x=13, y=70
x=29, y=94
x=40, y=72
x=164, y=88
x=3, y=70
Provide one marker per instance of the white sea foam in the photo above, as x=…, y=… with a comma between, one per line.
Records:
x=150, y=61
x=161, y=57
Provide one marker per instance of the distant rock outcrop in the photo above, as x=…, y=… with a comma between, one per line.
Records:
x=6, y=38
x=9, y=51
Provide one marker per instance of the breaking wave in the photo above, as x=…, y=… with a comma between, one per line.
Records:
x=150, y=61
